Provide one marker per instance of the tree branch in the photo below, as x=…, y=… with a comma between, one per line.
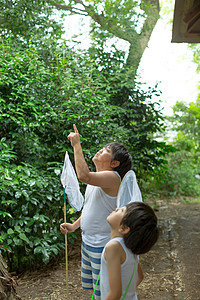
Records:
x=138, y=42
x=70, y=8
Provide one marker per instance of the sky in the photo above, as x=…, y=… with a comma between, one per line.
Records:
x=168, y=64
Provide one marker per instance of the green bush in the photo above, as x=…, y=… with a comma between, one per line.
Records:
x=180, y=176
x=31, y=211
x=39, y=102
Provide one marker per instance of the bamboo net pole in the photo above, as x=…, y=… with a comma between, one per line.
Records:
x=66, y=255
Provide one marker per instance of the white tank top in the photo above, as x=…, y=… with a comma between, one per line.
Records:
x=97, y=207
x=130, y=264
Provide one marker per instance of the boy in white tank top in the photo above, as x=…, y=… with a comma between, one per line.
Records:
x=134, y=231
x=112, y=162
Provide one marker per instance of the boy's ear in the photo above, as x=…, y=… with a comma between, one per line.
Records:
x=115, y=163
x=124, y=230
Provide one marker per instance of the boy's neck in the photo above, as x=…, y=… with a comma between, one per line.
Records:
x=114, y=234
x=101, y=168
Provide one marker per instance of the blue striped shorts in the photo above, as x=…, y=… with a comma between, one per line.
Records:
x=90, y=267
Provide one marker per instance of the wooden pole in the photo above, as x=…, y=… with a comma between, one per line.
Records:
x=66, y=256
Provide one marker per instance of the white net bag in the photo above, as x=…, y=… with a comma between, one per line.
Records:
x=129, y=190
x=71, y=185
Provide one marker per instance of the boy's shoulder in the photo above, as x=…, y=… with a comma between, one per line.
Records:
x=113, y=244
x=114, y=251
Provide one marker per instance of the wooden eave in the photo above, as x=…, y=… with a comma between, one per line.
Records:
x=186, y=21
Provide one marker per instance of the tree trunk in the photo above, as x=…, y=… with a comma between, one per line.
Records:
x=138, y=41
x=7, y=283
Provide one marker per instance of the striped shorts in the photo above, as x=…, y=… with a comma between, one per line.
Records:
x=90, y=267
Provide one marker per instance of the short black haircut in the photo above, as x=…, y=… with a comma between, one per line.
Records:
x=121, y=154
x=143, y=224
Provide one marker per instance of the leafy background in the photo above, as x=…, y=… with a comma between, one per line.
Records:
x=45, y=87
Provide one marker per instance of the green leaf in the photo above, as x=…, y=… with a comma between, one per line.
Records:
x=28, y=172
x=25, y=194
x=45, y=256
x=57, y=171
x=17, y=241
x=18, y=228
x=31, y=182
x=38, y=250
x=8, y=202
x=36, y=217
x=10, y=231
x=43, y=218
x=49, y=197
x=9, y=241
x=5, y=214
x=18, y=195
x=24, y=237
x=54, y=250
x=31, y=244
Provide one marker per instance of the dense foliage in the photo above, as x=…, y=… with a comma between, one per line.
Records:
x=30, y=211
x=45, y=87
x=39, y=103
x=29, y=20
x=181, y=176
x=186, y=121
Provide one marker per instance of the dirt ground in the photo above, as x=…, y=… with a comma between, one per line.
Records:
x=171, y=269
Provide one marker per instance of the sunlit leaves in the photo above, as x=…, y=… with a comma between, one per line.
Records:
x=186, y=121
x=25, y=20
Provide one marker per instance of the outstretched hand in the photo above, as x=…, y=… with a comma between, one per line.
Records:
x=74, y=136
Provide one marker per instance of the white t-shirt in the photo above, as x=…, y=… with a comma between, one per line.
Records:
x=97, y=207
x=127, y=268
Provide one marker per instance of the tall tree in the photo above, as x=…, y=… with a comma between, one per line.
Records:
x=129, y=20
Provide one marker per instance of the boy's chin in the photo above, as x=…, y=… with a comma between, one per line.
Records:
x=108, y=219
x=94, y=158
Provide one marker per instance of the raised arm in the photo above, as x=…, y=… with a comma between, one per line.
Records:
x=105, y=179
x=82, y=169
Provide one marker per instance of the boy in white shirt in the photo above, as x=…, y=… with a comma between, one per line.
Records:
x=134, y=231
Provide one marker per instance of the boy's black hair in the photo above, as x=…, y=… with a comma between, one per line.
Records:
x=121, y=154
x=144, y=232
